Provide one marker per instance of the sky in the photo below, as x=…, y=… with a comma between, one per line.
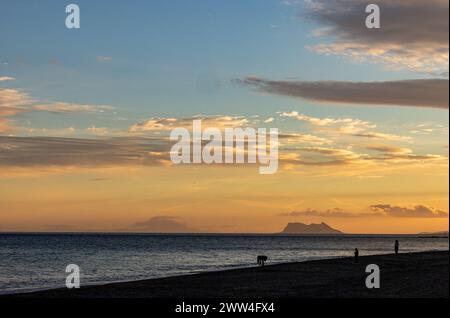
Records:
x=85, y=115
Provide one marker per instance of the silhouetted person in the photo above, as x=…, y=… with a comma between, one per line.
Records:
x=356, y=255
x=261, y=259
x=397, y=245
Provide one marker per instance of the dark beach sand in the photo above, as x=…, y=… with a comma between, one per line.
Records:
x=404, y=275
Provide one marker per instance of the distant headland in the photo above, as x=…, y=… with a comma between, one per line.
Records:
x=301, y=228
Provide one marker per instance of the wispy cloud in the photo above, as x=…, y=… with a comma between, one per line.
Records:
x=98, y=131
x=6, y=78
x=103, y=59
x=331, y=213
x=378, y=210
x=419, y=211
x=161, y=124
x=61, y=107
x=14, y=102
x=329, y=156
x=297, y=138
x=431, y=93
x=345, y=125
x=334, y=156
x=389, y=149
x=379, y=135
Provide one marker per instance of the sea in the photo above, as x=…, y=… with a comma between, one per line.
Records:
x=30, y=262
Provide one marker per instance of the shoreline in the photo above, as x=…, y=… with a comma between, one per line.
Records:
x=421, y=274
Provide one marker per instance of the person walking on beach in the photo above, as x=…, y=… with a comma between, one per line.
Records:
x=396, y=246
x=356, y=255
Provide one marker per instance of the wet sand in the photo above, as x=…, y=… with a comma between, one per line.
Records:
x=404, y=275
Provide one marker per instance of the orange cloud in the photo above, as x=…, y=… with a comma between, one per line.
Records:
x=161, y=124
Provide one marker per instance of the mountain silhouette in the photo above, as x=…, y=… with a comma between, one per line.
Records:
x=301, y=228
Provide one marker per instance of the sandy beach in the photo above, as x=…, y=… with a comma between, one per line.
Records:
x=405, y=275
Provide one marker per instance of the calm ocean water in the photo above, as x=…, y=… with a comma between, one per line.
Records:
x=38, y=261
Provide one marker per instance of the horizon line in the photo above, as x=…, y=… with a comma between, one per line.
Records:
x=223, y=233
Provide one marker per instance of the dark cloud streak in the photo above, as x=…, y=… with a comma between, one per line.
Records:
x=432, y=93
x=54, y=151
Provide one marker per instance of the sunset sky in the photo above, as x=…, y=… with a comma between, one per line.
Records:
x=362, y=113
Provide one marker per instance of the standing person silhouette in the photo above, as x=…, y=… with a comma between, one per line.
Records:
x=396, y=246
x=356, y=255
